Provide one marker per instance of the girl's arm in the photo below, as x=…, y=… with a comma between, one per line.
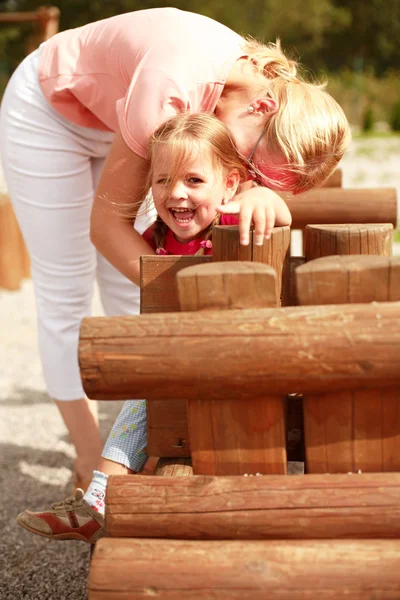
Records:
x=122, y=185
x=260, y=205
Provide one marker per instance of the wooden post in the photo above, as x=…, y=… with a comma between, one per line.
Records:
x=138, y=569
x=274, y=252
x=336, y=205
x=229, y=436
x=268, y=507
x=167, y=427
x=328, y=240
x=14, y=259
x=335, y=180
x=359, y=429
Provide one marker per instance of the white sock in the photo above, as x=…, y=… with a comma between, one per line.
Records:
x=95, y=495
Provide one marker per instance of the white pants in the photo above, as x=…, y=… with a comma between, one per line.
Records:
x=52, y=168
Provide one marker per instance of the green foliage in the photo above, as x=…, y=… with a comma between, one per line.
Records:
x=352, y=44
x=368, y=120
x=395, y=117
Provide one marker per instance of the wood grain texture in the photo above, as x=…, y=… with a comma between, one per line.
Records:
x=229, y=437
x=263, y=351
x=158, y=292
x=335, y=180
x=167, y=430
x=268, y=507
x=233, y=570
x=328, y=240
x=354, y=429
x=348, y=279
x=274, y=252
x=14, y=258
x=335, y=205
x=174, y=467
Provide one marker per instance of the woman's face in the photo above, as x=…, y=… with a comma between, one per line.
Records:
x=247, y=132
x=190, y=206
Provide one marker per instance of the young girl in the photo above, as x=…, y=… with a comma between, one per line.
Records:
x=195, y=171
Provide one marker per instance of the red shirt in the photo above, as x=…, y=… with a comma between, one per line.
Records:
x=172, y=246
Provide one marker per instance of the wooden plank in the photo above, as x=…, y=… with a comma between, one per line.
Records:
x=267, y=507
x=227, y=436
x=233, y=570
x=158, y=292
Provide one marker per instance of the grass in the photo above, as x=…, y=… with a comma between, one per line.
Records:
x=396, y=236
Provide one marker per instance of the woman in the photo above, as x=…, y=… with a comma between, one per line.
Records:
x=76, y=117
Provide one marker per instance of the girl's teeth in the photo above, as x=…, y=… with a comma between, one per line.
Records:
x=179, y=214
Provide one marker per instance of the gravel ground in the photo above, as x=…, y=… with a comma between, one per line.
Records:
x=36, y=456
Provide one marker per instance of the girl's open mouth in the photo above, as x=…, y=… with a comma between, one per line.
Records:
x=182, y=216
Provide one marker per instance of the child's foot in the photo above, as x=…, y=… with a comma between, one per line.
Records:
x=72, y=519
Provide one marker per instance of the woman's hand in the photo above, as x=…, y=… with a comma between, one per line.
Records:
x=260, y=206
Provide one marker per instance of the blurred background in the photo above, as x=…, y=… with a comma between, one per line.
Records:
x=354, y=44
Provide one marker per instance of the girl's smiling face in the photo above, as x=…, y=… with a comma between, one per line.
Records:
x=188, y=204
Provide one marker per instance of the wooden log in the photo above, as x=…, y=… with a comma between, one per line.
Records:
x=232, y=570
x=228, y=437
x=348, y=280
x=295, y=261
x=353, y=429
x=274, y=252
x=227, y=285
x=263, y=351
x=336, y=205
x=14, y=259
x=328, y=240
x=173, y=467
x=267, y=507
x=335, y=180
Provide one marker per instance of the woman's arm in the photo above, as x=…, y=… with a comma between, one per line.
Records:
x=260, y=205
x=122, y=185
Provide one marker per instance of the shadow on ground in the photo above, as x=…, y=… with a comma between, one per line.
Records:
x=33, y=567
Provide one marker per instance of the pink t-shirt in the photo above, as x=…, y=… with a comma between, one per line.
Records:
x=172, y=246
x=137, y=70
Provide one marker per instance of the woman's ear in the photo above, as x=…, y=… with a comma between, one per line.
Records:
x=231, y=185
x=264, y=106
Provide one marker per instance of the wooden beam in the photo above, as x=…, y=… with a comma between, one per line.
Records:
x=241, y=352
x=233, y=570
x=336, y=205
x=267, y=507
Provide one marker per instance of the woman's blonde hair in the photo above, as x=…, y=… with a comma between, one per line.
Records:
x=309, y=128
x=182, y=136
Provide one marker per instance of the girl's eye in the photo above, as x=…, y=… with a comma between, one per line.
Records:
x=162, y=181
x=195, y=180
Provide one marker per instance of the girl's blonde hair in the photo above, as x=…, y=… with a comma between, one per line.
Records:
x=309, y=129
x=182, y=136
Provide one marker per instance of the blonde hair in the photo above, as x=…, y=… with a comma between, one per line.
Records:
x=181, y=136
x=309, y=129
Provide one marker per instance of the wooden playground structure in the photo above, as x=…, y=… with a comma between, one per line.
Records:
x=219, y=517
x=14, y=259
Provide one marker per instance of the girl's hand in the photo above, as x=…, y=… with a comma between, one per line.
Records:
x=260, y=206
